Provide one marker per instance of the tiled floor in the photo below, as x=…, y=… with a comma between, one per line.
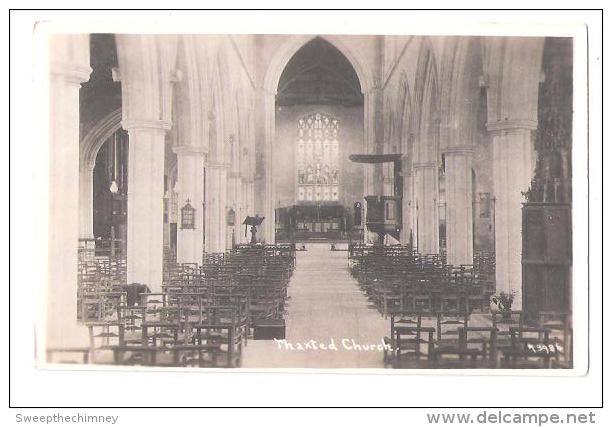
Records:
x=326, y=304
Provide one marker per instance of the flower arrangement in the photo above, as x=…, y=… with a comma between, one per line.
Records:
x=507, y=299
x=502, y=302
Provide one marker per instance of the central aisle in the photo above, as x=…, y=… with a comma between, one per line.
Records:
x=325, y=303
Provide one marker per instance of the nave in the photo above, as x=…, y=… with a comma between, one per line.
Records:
x=428, y=164
x=322, y=307
x=325, y=303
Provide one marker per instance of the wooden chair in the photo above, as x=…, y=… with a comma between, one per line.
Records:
x=409, y=341
x=484, y=340
x=560, y=325
x=531, y=349
x=422, y=297
x=451, y=340
x=390, y=296
x=406, y=339
x=220, y=330
x=103, y=337
x=503, y=322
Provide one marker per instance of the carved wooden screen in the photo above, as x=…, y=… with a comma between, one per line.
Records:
x=317, y=159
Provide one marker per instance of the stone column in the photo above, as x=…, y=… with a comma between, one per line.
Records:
x=248, y=197
x=215, y=206
x=86, y=201
x=372, y=130
x=241, y=211
x=236, y=203
x=372, y=140
x=265, y=122
x=145, y=227
x=426, y=196
x=69, y=55
x=190, y=176
x=407, y=202
x=513, y=162
x=459, y=230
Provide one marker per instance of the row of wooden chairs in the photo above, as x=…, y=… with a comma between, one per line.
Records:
x=98, y=276
x=253, y=276
x=202, y=317
x=158, y=333
x=395, y=278
x=459, y=340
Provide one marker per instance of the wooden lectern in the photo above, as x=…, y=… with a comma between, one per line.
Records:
x=254, y=222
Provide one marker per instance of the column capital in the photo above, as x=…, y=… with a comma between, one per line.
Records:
x=189, y=150
x=424, y=165
x=130, y=124
x=372, y=86
x=511, y=126
x=372, y=90
x=216, y=165
x=266, y=92
x=466, y=150
x=72, y=73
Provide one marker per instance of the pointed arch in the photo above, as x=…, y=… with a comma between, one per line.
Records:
x=462, y=73
x=426, y=95
x=513, y=70
x=146, y=64
x=404, y=111
x=294, y=43
x=216, y=115
x=188, y=102
x=97, y=136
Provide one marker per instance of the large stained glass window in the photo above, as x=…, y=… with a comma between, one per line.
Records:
x=317, y=158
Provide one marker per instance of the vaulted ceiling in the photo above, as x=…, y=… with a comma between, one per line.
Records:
x=319, y=74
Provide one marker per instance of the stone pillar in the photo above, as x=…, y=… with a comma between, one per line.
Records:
x=407, y=202
x=265, y=122
x=215, y=207
x=372, y=143
x=86, y=201
x=513, y=170
x=248, y=197
x=69, y=55
x=459, y=226
x=372, y=130
x=236, y=203
x=145, y=221
x=190, y=176
x=426, y=196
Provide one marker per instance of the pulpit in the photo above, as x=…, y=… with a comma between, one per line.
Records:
x=382, y=215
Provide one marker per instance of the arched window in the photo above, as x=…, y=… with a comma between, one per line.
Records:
x=317, y=158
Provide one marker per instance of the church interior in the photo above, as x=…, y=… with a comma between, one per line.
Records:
x=310, y=201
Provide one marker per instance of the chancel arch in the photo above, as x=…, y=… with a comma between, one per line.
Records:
x=318, y=124
x=268, y=95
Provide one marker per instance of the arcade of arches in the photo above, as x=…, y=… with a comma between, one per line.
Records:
x=164, y=144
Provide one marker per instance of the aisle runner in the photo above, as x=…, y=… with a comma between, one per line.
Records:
x=329, y=324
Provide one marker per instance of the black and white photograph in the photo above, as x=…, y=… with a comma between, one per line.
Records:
x=312, y=201
x=392, y=203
